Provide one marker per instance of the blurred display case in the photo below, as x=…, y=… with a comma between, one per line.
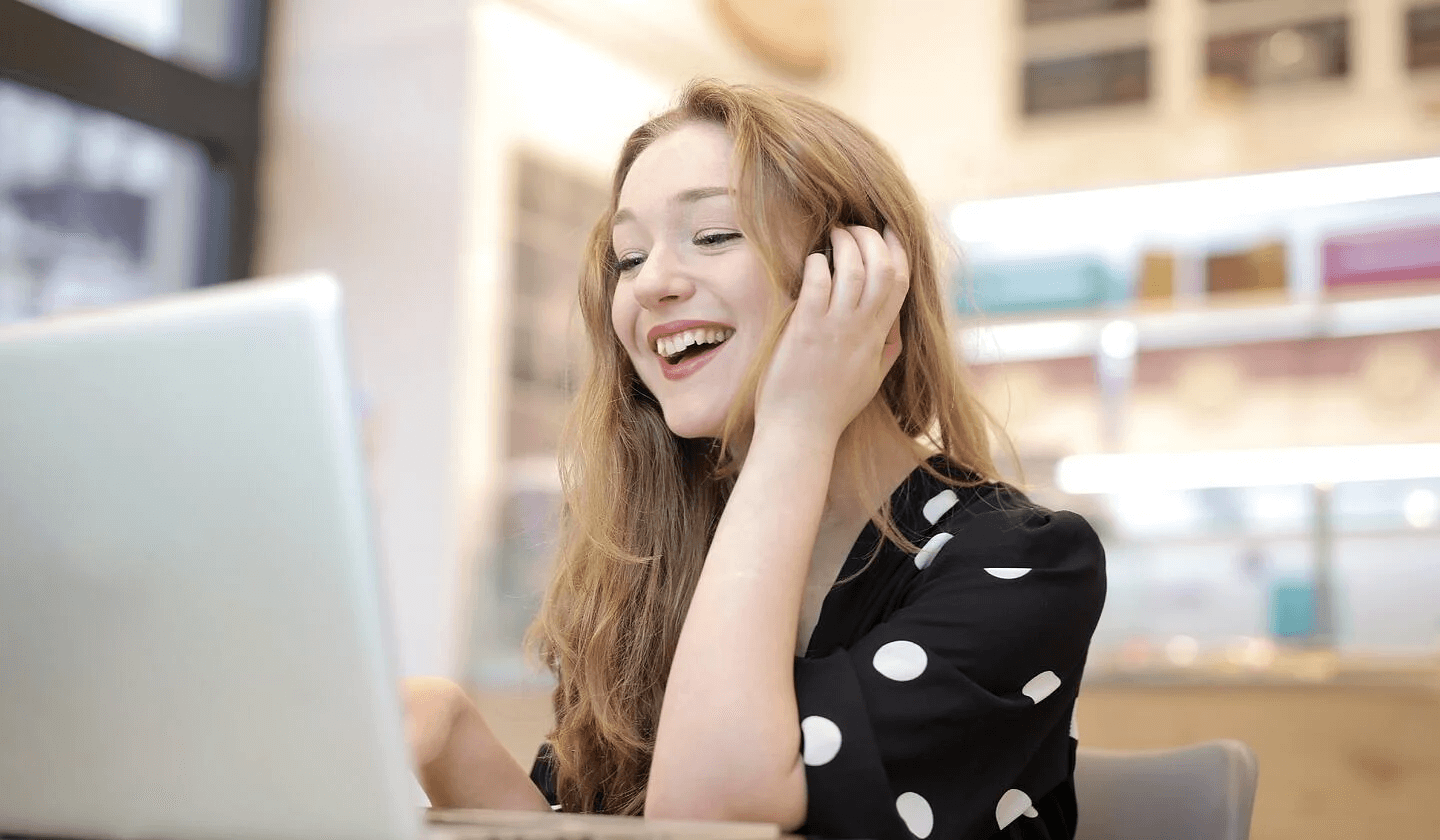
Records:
x=1248, y=412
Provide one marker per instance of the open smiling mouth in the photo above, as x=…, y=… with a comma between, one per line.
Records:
x=683, y=353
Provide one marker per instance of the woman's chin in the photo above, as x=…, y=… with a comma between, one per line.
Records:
x=691, y=427
x=695, y=434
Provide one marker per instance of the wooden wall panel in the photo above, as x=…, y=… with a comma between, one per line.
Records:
x=1335, y=762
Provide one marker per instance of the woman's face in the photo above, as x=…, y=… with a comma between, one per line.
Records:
x=693, y=300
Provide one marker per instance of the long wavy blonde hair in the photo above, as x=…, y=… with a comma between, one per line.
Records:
x=641, y=504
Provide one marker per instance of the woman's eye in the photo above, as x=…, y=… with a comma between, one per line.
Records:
x=629, y=262
x=717, y=238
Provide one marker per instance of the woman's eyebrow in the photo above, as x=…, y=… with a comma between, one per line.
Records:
x=685, y=197
x=700, y=194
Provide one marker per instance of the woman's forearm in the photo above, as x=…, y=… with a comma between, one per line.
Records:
x=471, y=769
x=728, y=742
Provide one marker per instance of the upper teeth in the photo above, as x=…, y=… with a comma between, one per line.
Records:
x=673, y=344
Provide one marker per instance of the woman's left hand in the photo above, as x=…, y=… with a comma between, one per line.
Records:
x=843, y=335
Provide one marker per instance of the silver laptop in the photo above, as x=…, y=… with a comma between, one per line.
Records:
x=192, y=638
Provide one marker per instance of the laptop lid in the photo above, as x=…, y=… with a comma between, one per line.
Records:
x=192, y=643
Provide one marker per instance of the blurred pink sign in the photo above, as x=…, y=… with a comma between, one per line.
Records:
x=1383, y=257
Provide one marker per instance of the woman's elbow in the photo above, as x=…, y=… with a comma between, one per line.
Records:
x=776, y=803
x=665, y=804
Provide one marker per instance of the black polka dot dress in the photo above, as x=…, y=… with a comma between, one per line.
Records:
x=938, y=691
x=937, y=694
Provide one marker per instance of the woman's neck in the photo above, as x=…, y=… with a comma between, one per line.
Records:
x=848, y=500
x=856, y=498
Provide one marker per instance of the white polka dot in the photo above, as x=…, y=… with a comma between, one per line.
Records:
x=1041, y=686
x=1012, y=804
x=936, y=507
x=900, y=661
x=931, y=548
x=821, y=738
x=1031, y=812
x=916, y=813
x=1008, y=573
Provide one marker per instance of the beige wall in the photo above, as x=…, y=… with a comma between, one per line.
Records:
x=938, y=81
x=361, y=177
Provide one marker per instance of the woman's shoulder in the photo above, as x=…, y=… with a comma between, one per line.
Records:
x=989, y=515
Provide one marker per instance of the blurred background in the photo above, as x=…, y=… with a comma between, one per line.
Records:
x=1197, y=278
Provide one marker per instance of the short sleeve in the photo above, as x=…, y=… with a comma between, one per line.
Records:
x=951, y=717
x=542, y=773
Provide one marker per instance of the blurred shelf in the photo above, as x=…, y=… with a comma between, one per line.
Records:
x=1255, y=537
x=1307, y=668
x=1337, y=198
x=1117, y=472
x=1080, y=334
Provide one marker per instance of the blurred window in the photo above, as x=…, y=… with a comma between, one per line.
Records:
x=129, y=140
x=1422, y=37
x=205, y=35
x=95, y=209
x=1040, y=11
x=1066, y=84
x=1281, y=55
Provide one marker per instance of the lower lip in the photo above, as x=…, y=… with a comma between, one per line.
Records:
x=690, y=365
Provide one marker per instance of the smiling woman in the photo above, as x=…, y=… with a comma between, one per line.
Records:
x=679, y=250
x=790, y=588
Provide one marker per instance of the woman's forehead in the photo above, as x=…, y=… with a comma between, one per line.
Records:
x=693, y=157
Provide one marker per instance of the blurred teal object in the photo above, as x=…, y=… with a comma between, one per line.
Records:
x=1292, y=609
x=1041, y=284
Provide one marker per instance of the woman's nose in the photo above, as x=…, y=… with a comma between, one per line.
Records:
x=661, y=280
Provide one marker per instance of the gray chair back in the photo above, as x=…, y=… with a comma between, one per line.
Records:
x=1204, y=791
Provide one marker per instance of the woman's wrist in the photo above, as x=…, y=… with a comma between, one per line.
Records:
x=794, y=436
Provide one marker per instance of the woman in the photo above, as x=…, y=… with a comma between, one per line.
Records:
x=790, y=588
